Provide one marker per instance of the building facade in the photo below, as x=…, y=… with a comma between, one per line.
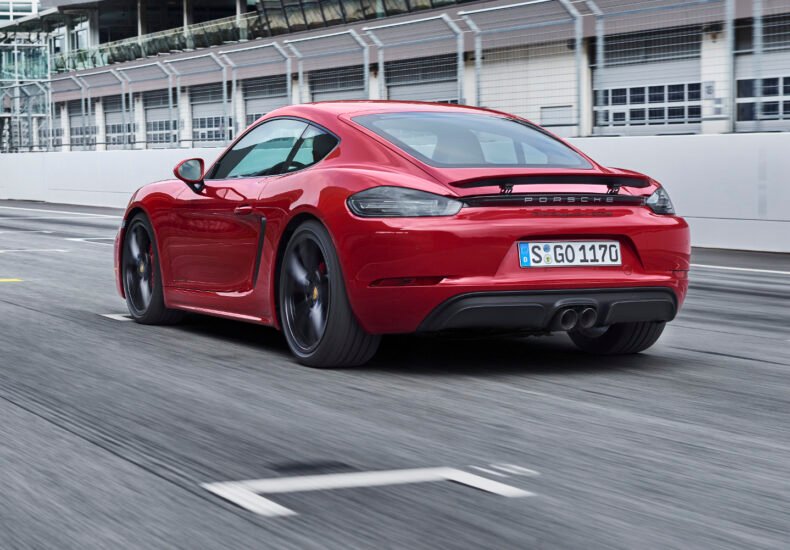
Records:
x=183, y=73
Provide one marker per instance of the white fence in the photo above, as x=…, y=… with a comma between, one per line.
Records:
x=733, y=188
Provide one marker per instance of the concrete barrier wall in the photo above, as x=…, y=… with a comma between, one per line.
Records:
x=734, y=189
x=92, y=178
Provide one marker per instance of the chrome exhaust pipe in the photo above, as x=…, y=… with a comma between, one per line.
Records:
x=567, y=319
x=588, y=318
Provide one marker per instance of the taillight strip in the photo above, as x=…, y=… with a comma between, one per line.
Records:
x=553, y=199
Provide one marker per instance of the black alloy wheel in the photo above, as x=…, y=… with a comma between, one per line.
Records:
x=141, y=276
x=307, y=293
x=138, y=263
x=315, y=314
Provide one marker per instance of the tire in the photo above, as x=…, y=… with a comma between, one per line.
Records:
x=316, y=317
x=618, y=339
x=142, y=276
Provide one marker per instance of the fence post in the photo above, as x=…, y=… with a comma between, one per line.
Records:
x=478, y=57
x=299, y=71
x=600, y=61
x=365, y=60
x=459, y=44
x=379, y=63
x=757, y=31
x=577, y=43
x=288, y=68
x=729, y=36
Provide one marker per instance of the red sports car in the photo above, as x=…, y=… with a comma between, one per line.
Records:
x=339, y=222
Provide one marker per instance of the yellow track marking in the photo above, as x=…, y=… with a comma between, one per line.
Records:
x=10, y=280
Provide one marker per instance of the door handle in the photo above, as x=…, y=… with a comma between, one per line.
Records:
x=243, y=210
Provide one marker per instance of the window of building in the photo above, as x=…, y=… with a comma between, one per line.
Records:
x=676, y=103
x=770, y=86
x=619, y=96
x=772, y=102
x=636, y=96
x=676, y=92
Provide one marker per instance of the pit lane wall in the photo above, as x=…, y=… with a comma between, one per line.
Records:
x=733, y=188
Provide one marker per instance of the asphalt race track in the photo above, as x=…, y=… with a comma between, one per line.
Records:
x=109, y=429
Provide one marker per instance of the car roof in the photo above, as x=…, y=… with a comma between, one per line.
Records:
x=358, y=107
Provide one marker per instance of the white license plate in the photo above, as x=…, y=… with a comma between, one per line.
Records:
x=569, y=254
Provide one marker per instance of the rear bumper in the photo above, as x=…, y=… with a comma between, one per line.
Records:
x=535, y=310
x=400, y=271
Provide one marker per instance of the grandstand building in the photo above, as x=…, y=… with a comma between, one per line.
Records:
x=136, y=74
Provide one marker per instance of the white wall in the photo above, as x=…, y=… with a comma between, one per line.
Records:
x=733, y=188
x=95, y=178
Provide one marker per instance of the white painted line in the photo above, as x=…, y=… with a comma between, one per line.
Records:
x=33, y=250
x=488, y=485
x=487, y=471
x=24, y=231
x=117, y=316
x=246, y=494
x=11, y=280
x=347, y=481
x=240, y=495
x=93, y=240
x=746, y=269
x=55, y=211
x=515, y=469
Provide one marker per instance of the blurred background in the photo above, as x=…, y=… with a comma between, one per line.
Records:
x=110, y=430
x=697, y=92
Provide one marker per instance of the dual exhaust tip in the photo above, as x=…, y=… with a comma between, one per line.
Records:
x=569, y=318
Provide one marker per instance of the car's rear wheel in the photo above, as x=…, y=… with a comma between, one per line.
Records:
x=618, y=339
x=142, y=279
x=315, y=314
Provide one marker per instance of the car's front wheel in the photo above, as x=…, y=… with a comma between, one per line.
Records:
x=142, y=279
x=618, y=339
x=315, y=314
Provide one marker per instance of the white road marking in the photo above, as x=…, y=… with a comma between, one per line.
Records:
x=93, y=240
x=25, y=231
x=238, y=494
x=746, y=269
x=89, y=214
x=247, y=494
x=117, y=316
x=11, y=280
x=487, y=471
x=33, y=250
x=514, y=469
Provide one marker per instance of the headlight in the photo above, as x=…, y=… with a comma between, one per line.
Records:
x=399, y=202
x=660, y=203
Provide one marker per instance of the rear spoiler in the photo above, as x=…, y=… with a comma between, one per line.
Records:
x=506, y=184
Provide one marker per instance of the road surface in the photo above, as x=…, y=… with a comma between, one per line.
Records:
x=110, y=430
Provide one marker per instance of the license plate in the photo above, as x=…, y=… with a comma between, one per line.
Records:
x=569, y=254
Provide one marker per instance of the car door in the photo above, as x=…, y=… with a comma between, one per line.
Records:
x=218, y=238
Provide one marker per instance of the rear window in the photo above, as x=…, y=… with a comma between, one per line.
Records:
x=459, y=140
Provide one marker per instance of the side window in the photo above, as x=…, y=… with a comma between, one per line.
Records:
x=314, y=145
x=262, y=152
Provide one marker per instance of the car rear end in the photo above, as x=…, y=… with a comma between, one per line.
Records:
x=528, y=248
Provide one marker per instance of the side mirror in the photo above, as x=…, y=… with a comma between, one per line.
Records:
x=191, y=172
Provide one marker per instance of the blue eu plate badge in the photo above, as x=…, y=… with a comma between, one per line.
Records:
x=523, y=255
